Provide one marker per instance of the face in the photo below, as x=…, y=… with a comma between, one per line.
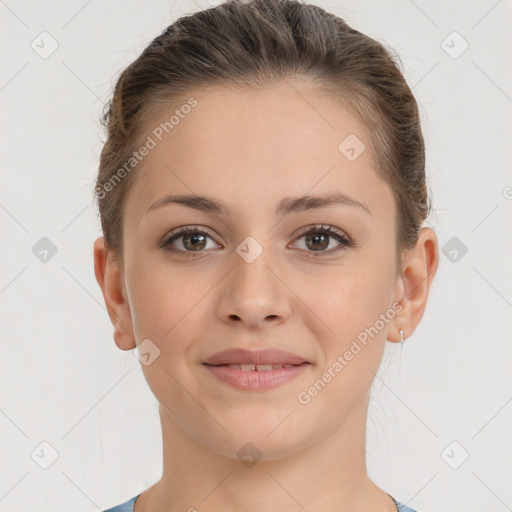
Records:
x=252, y=279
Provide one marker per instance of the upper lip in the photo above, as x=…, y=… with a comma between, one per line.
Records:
x=265, y=356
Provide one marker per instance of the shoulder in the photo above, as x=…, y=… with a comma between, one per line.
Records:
x=127, y=506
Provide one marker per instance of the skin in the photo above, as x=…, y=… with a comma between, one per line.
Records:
x=251, y=149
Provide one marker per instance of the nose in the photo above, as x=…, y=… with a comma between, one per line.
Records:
x=254, y=293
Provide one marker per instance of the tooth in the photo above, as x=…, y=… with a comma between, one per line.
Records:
x=263, y=367
x=259, y=367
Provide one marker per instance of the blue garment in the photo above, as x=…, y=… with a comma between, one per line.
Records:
x=125, y=507
x=128, y=506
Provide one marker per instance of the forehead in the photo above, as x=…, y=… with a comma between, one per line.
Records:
x=250, y=148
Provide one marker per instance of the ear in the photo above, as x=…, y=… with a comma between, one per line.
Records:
x=419, y=266
x=110, y=279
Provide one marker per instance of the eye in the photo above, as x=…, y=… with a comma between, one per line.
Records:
x=318, y=238
x=189, y=239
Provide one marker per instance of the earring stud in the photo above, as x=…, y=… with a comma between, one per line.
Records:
x=402, y=336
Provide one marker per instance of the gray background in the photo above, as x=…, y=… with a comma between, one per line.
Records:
x=446, y=394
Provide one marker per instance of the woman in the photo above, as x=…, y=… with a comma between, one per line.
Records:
x=262, y=192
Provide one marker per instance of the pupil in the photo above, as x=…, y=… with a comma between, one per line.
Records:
x=194, y=237
x=316, y=238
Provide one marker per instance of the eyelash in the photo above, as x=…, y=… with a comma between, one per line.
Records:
x=322, y=229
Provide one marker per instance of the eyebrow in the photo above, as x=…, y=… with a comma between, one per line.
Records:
x=286, y=206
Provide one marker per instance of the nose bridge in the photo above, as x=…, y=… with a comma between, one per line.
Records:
x=252, y=261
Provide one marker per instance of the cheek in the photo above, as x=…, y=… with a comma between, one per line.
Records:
x=172, y=307
x=167, y=310
x=354, y=310
x=160, y=301
x=349, y=299
x=357, y=311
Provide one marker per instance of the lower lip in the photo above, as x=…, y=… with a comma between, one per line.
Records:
x=254, y=380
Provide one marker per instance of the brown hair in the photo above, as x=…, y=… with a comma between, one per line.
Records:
x=248, y=43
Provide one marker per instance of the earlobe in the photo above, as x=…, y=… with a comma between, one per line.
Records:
x=109, y=279
x=419, y=268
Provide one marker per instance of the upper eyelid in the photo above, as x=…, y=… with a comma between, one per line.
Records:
x=328, y=227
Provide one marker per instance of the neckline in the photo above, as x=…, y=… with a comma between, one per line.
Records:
x=394, y=501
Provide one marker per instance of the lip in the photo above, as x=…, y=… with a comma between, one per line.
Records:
x=265, y=356
x=256, y=380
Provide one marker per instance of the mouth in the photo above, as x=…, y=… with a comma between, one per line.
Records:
x=255, y=370
x=252, y=377
x=257, y=367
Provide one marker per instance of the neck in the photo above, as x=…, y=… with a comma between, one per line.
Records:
x=328, y=475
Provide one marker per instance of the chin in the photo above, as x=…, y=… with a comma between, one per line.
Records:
x=261, y=441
